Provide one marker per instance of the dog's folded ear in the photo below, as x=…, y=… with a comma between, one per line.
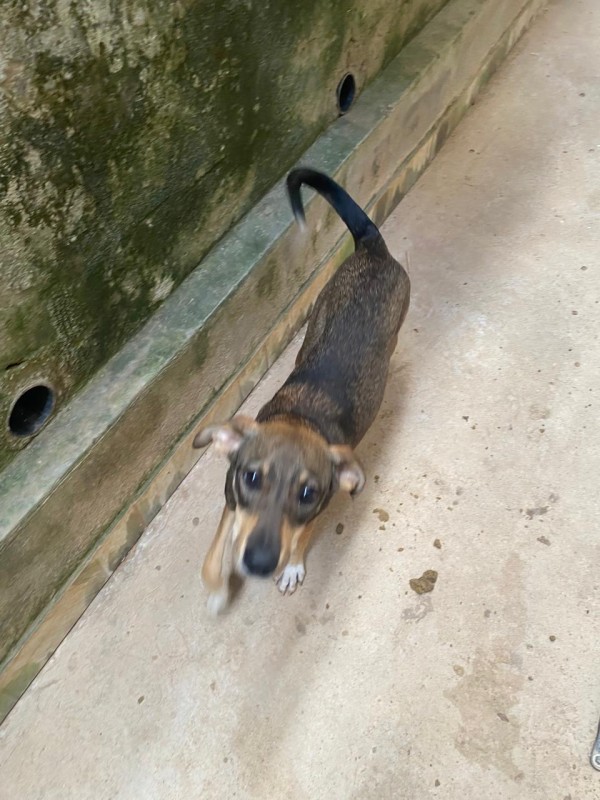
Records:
x=350, y=476
x=228, y=437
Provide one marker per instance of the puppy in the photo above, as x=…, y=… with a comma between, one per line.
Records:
x=285, y=466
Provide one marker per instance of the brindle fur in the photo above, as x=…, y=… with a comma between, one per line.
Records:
x=305, y=435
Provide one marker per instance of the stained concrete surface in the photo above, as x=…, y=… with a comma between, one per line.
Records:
x=356, y=687
x=50, y=522
x=133, y=135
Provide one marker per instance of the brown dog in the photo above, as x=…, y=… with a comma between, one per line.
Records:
x=286, y=465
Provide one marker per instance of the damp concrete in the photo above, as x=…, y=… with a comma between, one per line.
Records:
x=482, y=466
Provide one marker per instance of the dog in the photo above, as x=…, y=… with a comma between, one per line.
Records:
x=285, y=465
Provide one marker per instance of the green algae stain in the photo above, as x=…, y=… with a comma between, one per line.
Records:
x=133, y=140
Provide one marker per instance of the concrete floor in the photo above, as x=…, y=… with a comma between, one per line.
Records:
x=356, y=687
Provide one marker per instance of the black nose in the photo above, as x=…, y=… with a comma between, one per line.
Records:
x=260, y=559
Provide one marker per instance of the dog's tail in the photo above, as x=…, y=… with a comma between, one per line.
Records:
x=357, y=222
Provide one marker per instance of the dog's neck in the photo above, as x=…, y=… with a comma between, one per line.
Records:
x=297, y=420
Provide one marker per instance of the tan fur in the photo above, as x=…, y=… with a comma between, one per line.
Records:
x=212, y=569
x=288, y=534
x=300, y=542
x=243, y=526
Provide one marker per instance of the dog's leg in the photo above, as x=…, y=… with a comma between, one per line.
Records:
x=294, y=572
x=214, y=576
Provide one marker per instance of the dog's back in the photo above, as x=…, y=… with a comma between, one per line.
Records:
x=341, y=370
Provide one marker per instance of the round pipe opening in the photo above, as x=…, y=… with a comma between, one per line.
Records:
x=346, y=92
x=31, y=410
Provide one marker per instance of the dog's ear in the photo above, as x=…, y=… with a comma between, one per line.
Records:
x=227, y=438
x=350, y=476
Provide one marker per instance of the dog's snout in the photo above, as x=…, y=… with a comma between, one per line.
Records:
x=261, y=558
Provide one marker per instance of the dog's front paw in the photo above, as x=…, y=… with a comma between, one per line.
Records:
x=291, y=577
x=217, y=602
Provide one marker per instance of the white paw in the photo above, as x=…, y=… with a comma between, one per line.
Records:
x=217, y=602
x=291, y=577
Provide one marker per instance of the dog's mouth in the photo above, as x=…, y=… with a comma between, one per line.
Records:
x=261, y=544
x=259, y=560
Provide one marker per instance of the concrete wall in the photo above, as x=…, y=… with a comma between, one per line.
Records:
x=132, y=135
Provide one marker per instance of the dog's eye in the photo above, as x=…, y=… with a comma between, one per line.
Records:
x=252, y=479
x=307, y=495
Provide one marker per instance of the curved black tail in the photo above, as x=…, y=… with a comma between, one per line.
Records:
x=358, y=223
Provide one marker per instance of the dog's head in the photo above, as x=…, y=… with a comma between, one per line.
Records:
x=281, y=476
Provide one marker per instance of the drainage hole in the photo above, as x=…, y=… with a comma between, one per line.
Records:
x=346, y=92
x=31, y=410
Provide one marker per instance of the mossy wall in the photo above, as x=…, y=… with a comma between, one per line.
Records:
x=133, y=133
